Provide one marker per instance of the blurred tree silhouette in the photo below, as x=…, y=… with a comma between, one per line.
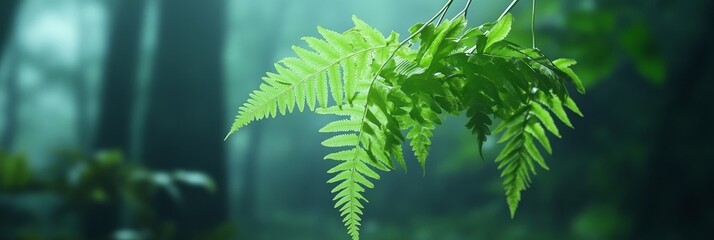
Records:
x=184, y=125
x=676, y=179
x=118, y=97
x=120, y=75
x=7, y=16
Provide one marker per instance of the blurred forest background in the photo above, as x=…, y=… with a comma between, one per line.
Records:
x=113, y=114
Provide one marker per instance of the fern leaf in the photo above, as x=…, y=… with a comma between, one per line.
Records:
x=499, y=31
x=353, y=171
x=369, y=132
x=536, y=130
x=372, y=36
x=342, y=126
x=556, y=106
x=545, y=118
x=514, y=161
x=350, y=173
x=479, y=120
x=518, y=158
x=420, y=141
x=564, y=65
x=373, y=138
x=340, y=140
x=304, y=80
x=570, y=104
x=435, y=41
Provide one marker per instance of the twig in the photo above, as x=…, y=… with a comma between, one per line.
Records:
x=533, y=13
x=443, y=11
x=508, y=9
x=465, y=11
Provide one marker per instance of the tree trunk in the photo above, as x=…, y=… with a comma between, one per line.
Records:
x=12, y=100
x=7, y=16
x=185, y=125
x=119, y=83
x=260, y=48
x=120, y=76
x=673, y=203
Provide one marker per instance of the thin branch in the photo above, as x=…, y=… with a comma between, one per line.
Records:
x=466, y=9
x=443, y=11
x=533, y=13
x=508, y=9
x=438, y=14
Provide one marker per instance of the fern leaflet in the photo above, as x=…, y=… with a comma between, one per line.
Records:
x=304, y=79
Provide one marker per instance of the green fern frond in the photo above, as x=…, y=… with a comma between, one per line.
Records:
x=518, y=158
x=364, y=138
x=478, y=112
x=351, y=172
x=420, y=136
x=421, y=120
x=373, y=136
x=370, y=133
x=515, y=160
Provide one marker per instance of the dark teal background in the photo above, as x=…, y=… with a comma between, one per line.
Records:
x=161, y=80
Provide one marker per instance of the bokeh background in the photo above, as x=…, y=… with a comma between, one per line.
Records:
x=113, y=114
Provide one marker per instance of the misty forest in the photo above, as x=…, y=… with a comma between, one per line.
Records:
x=373, y=119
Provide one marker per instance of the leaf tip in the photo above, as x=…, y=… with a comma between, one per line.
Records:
x=512, y=207
x=480, y=150
x=228, y=135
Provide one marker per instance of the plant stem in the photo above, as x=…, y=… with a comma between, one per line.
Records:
x=533, y=13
